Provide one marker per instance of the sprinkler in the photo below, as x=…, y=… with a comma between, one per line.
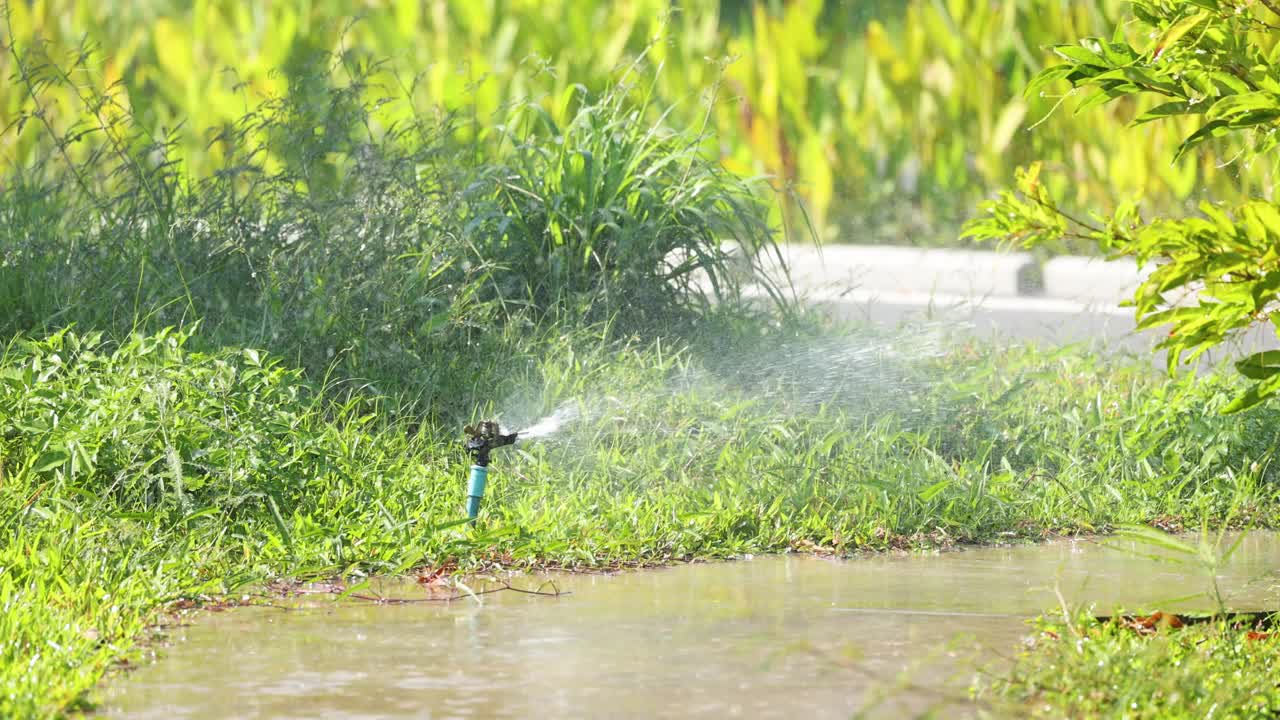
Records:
x=482, y=438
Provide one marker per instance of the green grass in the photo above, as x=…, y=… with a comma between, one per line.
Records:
x=141, y=473
x=1110, y=671
x=216, y=382
x=1083, y=666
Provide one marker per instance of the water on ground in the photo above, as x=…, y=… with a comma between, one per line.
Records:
x=789, y=636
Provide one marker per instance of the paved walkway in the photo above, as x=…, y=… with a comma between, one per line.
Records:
x=1068, y=299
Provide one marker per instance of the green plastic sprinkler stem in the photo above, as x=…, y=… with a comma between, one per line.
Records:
x=482, y=439
x=475, y=490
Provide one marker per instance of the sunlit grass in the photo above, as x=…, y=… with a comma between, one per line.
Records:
x=1110, y=671
x=171, y=473
x=263, y=373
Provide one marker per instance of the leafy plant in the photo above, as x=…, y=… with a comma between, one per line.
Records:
x=887, y=120
x=606, y=207
x=1213, y=275
x=373, y=246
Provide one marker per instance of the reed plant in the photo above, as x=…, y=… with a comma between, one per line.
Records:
x=883, y=122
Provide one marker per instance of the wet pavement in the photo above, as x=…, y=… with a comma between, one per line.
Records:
x=779, y=636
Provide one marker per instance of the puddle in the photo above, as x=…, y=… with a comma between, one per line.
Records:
x=769, y=637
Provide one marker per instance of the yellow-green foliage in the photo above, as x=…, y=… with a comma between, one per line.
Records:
x=912, y=99
x=1210, y=68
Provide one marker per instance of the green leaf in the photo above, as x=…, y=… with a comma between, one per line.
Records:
x=1264, y=291
x=1176, y=32
x=1210, y=130
x=1166, y=110
x=1104, y=96
x=1257, y=117
x=1171, y=315
x=1267, y=214
x=1237, y=104
x=1229, y=82
x=354, y=589
x=1261, y=365
x=1080, y=54
x=1155, y=538
x=1141, y=79
x=934, y=490
x=1254, y=395
x=51, y=459
x=1046, y=76
x=203, y=512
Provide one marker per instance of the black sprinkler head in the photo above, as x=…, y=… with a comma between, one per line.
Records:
x=483, y=437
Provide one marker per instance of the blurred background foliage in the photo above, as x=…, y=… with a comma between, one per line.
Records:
x=885, y=120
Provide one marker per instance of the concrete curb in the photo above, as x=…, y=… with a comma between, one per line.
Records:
x=897, y=270
x=871, y=270
x=1001, y=295
x=1085, y=278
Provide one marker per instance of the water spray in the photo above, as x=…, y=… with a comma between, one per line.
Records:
x=482, y=439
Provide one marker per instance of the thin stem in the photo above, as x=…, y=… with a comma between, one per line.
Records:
x=1077, y=221
x=556, y=592
x=24, y=74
